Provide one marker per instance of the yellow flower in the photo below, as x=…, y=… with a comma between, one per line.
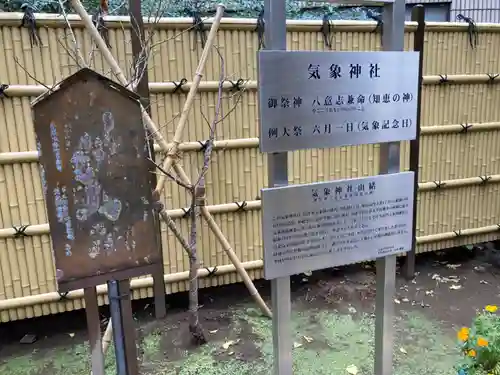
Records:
x=471, y=353
x=463, y=334
x=491, y=308
x=482, y=342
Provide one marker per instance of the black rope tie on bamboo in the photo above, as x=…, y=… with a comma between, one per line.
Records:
x=326, y=30
x=465, y=127
x=199, y=28
x=380, y=24
x=63, y=296
x=492, y=77
x=241, y=206
x=98, y=21
x=471, y=30
x=20, y=231
x=458, y=233
x=212, y=272
x=439, y=184
x=187, y=212
x=261, y=26
x=29, y=21
x=443, y=78
x=485, y=179
x=236, y=86
x=178, y=86
x=204, y=145
x=3, y=87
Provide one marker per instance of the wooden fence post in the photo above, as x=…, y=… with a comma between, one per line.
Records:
x=138, y=38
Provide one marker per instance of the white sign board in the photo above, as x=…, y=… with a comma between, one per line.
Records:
x=327, y=224
x=328, y=99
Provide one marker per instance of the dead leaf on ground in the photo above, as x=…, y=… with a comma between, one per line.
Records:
x=227, y=344
x=213, y=331
x=297, y=345
x=442, y=279
x=308, y=339
x=453, y=266
x=455, y=287
x=403, y=350
x=352, y=369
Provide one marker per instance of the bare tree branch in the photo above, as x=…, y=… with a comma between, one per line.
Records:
x=33, y=77
x=78, y=53
x=176, y=179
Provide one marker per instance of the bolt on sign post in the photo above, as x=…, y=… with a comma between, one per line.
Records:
x=331, y=99
x=98, y=193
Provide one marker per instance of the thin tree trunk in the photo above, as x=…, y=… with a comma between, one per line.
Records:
x=195, y=327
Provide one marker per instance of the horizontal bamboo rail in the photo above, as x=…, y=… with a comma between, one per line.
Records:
x=41, y=229
x=458, y=233
x=246, y=84
x=57, y=21
x=147, y=282
x=144, y=282
x=7, y=158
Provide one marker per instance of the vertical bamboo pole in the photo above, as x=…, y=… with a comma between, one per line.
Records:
x=418, y=15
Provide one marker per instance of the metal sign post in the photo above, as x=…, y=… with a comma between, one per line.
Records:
x=331, y=99
x=393, y=40
x=275, y=39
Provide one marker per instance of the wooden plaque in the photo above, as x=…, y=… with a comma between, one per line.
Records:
x=96, y=181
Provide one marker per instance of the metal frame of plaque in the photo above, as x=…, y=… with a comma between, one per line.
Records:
x=393, y=40
x=96, y=181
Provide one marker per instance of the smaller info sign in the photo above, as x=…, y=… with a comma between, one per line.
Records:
x=327, y=224
x=323, y=99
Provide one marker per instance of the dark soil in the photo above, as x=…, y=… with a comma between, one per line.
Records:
x=449, y=285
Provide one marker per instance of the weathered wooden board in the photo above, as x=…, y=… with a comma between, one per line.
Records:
x=96, y=180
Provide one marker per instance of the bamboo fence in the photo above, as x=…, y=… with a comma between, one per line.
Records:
x=459, y=150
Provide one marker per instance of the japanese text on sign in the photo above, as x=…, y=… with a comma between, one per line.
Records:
x=373, y=100
x=314, y=226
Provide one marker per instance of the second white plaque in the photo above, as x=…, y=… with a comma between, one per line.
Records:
x=327, y=224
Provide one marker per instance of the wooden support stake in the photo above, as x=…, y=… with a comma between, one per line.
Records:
x=94, y=328
x=188, y=104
